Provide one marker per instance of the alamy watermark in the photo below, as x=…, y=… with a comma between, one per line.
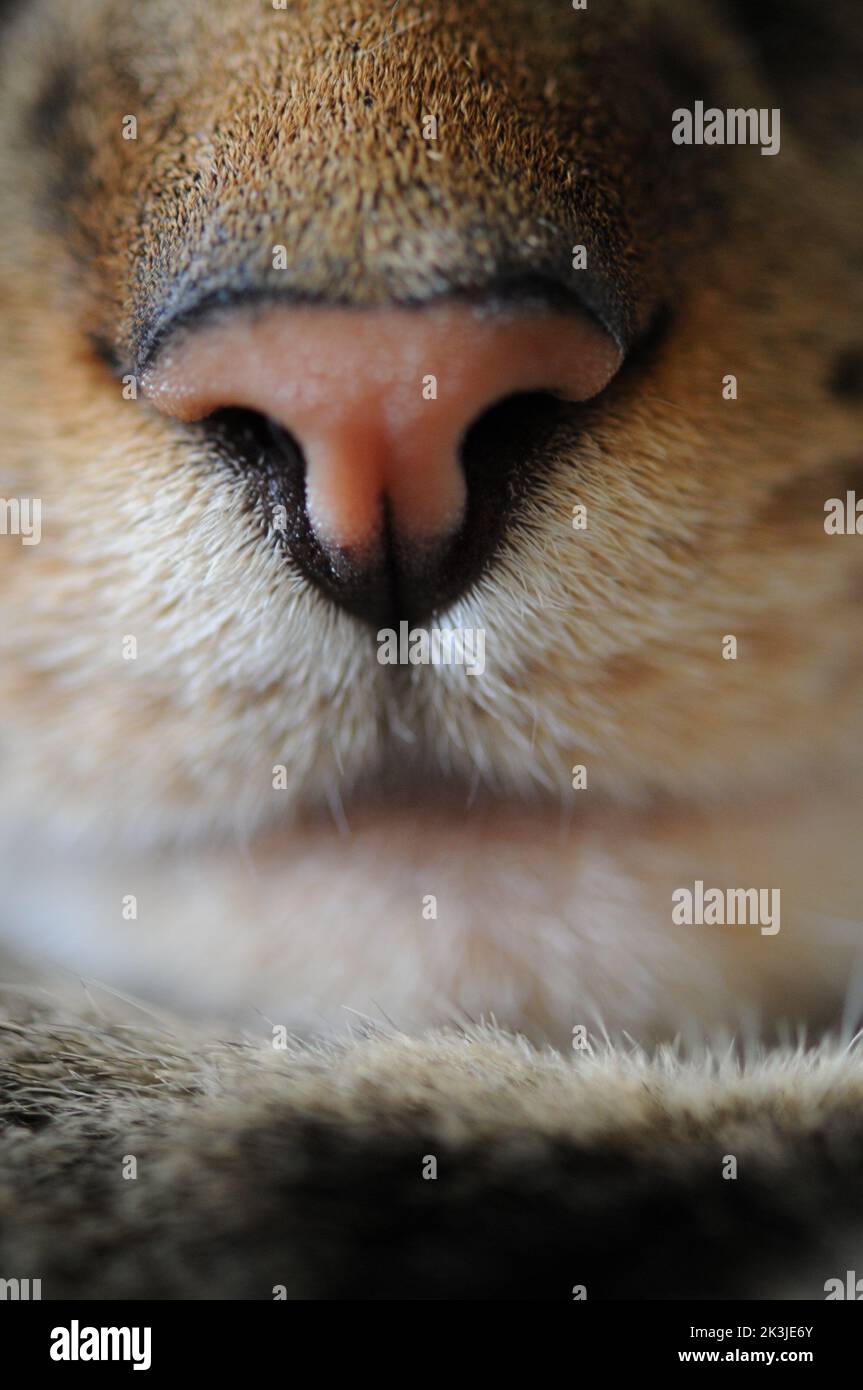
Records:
x=849, y=1287
x=735, y=126
x=21, y=516
x=726, y=907
x=844, y=515
x=436, y=646
x=77, y=1343
x=19, y=1290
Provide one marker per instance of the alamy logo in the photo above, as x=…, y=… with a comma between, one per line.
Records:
x=20, y=1290
x=77, y=1343
x=21, y=516
x=736, y=126
x=844, y=516
x=849, y=1288
x=437, y=646
x=717, y=907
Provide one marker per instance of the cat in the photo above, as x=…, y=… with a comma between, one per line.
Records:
x=648, y=362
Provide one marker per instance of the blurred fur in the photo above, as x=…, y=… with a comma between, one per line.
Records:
x=705, y=515
x=302, y=127
x=303, y=1170
x=154, y=776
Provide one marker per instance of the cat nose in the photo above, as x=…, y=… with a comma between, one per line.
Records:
x=374, y=405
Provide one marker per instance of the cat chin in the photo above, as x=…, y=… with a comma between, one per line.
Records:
x=420, y=918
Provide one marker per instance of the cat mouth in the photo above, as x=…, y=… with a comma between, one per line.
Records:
x=446, y=809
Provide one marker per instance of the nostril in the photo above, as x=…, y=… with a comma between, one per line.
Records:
x=388, y=445
x=502, y=456
x=284, y=443
x=265, y=459
x=269, y=465
x=258, y=448
x=510, y=435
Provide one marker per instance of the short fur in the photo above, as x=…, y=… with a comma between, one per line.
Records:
x=300, y=1173
x=154, y=777
x=705, y=516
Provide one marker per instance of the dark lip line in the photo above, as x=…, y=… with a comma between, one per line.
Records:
x=454, y=803
x=518, y=291
x=456, y=807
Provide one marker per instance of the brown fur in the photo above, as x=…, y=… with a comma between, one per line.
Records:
x=683, y=487
x=301, y=127
x=154, y=777
x=299, y=1173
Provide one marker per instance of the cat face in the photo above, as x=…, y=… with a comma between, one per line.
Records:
x=631, y=516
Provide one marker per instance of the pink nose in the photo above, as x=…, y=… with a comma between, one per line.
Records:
x=379, y=400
